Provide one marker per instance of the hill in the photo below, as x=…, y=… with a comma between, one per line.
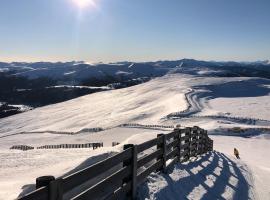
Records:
x=233, y=109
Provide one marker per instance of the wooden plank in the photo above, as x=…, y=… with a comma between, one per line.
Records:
x=39, y=194
x=193, y=152
x=148, y=144
x=186, y=137
x=171, y=135
x=172, y=154
x=192, y=147
x=200, y=139
x=142, y=161
x=120, y=193
x=88, y=173
x=184, y=153
x=172, y=163
x=193, y=142
x=99, y=190
x=185, y=159
x=172, y=144
x=145, y=173
x=185, y=145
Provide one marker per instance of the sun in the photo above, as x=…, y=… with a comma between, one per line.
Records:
x=84, y=3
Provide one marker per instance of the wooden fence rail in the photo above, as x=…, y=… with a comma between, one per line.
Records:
x=129, y=168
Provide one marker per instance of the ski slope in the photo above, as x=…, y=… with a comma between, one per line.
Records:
x=217, y=104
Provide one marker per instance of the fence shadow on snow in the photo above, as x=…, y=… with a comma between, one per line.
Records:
x=213, y=172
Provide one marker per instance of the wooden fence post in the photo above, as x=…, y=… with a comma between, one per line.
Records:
x=54, y=185
x=209, y=144
x=56, y=189
x=163, y=156
x=200, y=142
x=204, y=141
x=191, y=139
x=197, y=140
x=133, y=164
x=188, y=132
x=181, y=140
x=178, y=138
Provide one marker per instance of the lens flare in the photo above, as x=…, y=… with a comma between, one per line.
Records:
x=84, y=3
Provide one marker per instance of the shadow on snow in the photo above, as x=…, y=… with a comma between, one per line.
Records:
x=216, y=177
x=244, y=88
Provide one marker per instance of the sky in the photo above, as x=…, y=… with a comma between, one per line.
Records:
x=134, y=30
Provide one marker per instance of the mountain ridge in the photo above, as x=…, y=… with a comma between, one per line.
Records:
x=79, y=70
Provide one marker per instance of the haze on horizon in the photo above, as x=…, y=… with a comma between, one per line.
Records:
x=118, y=30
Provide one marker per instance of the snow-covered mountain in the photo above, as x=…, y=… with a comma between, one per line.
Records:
x=234, y=110
x=80, y=70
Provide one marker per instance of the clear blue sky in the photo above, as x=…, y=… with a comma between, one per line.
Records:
x=135, y=30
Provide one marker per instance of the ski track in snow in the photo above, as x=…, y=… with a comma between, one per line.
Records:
x=197, y=101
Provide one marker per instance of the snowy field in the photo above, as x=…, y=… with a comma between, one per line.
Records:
x=214, y=103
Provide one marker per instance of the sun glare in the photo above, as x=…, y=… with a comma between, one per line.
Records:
x=84, y=3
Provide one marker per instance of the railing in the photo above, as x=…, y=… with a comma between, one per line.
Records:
x=129, y=168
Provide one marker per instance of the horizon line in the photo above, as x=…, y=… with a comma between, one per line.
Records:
x=132, y=61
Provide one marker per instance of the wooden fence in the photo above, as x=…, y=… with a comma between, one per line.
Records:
x=131, y=167
x=68, y=146
x=22, y=147
x=133, y=125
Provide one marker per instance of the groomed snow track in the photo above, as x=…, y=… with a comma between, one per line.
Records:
x=196, y=100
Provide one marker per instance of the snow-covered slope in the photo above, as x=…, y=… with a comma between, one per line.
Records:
x=147, y=103
x=218, y=104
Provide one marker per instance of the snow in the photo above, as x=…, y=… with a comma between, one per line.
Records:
x=211, y=176
x=15, y=176
x=103, y=109
x=22, y=108
x=130, y=65
x=80, y=86
x=239, y=106
x=3, y=69
x=217, y=104
x=253, y=152
x=107, y=137
x=70, y=72
x=119, y=72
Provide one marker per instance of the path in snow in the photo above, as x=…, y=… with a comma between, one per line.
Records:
x=197, y=100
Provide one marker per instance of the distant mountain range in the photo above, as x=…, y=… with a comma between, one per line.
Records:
x=43, y=83
x=75, y=72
